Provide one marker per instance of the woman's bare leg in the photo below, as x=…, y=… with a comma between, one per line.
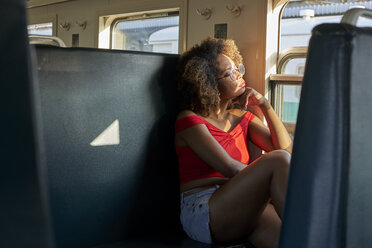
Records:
x=267, y=230
x=236, y=207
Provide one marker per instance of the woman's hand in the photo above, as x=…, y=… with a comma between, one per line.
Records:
x=252, y=98
x=277, y=136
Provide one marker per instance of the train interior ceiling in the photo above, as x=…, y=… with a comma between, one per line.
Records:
x=88, y=60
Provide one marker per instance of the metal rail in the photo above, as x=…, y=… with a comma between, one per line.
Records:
x=351, y=16
x=46, y=40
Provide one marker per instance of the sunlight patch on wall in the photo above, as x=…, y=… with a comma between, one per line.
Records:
x=104, y=38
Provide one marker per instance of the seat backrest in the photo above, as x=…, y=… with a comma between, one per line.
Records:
x=108, y=121
x=359, y=198
x=23, y=215
x=326, y=187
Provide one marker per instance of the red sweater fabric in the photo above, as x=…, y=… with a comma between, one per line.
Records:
x=192, y=167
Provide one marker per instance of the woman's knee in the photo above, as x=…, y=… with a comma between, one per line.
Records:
x=279, y=158
x=282, y=155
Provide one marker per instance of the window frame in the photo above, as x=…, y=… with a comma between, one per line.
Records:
x=144, y=16
x=34, y=20
x=288, y=54
x=280, y=79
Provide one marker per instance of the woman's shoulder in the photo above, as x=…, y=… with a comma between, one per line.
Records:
x=187, y=119
x=185, y=113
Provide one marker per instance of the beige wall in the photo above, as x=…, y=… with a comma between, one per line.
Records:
x=249, y=30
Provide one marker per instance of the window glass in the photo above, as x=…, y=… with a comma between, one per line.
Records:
x=298, y=20
x=300, y=17
x=295, y=66
x=291, y=99
x=158, y=34
x=41, y=29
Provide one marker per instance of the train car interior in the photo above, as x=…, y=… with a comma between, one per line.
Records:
x=89, y=101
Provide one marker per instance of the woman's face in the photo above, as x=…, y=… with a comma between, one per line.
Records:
x=230, y=82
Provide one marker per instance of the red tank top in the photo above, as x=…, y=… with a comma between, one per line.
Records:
x=191, y=167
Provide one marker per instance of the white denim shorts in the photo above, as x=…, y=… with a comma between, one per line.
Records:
x=195, y=215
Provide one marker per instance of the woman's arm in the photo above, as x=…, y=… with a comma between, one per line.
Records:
x=201, y=141
x=272, y=138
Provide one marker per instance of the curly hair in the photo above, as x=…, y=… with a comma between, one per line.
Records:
x=196, y=73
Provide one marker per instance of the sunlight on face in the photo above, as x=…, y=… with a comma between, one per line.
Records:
x=227, y=87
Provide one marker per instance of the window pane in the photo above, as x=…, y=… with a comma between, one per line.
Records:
x=298, y=20
x=297, y=31
x=41, y=29
x=300, y=17
x=291, y=101
x=295, y=66
x=150, y=35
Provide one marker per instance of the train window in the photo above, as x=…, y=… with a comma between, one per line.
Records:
x=297, y=20
x=300, y=17
x=150, y=33
x=41, y=29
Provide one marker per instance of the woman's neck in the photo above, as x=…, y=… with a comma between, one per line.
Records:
x=221, y=111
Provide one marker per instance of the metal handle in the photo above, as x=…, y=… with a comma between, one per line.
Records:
x=46, y=39
x=351, y=16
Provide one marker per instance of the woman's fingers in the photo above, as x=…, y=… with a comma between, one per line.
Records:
x=244, y=100
x=249, y=95
x=249, y=98
x=255, y=97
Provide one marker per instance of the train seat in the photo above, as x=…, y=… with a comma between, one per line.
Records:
x=108, y=120
x=328, y=200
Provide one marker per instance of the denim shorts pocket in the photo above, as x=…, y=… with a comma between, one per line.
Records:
x=195, y=215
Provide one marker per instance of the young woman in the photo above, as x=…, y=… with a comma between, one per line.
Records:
x=224, y=198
